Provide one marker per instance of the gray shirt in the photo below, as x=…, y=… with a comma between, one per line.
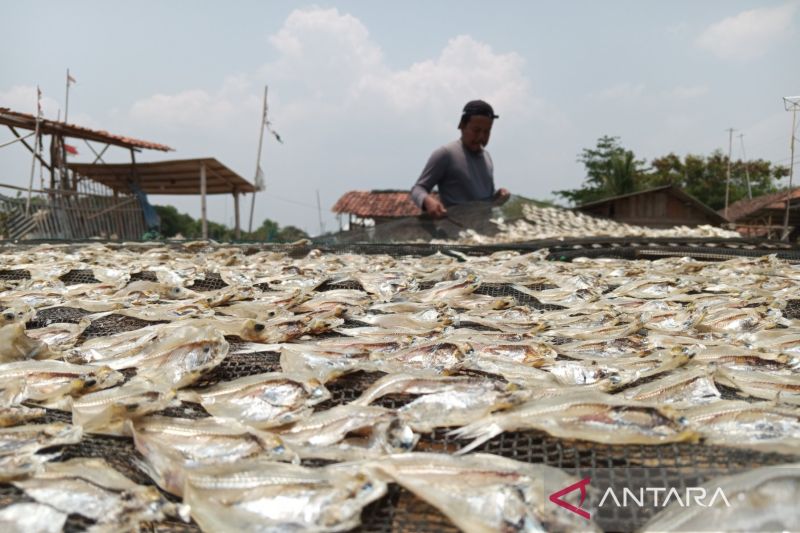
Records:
x=462, y=176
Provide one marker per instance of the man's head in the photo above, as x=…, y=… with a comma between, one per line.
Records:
x=476, y=124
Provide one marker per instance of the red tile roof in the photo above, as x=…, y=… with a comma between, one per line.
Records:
x=747, y=206
x=372, y=204
x=25, y=121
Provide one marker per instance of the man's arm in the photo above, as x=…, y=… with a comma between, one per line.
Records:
x=431, y=175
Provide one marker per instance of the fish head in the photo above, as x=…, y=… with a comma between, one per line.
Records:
x=253, y=331
x=101, y=378
x=22, y=313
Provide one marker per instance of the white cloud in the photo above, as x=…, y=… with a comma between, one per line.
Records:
x=197, y=108
x=750, y=34
x=22, y=98
x=465, y=69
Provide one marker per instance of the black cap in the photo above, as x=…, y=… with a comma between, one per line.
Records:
x=477, y=107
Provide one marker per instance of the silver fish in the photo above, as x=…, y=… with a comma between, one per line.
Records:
x=760, y=384
x=171, y=446
x=19, y=444
x=261, y=400
x=30, y=517
x=480, y=493
x=271, y=496
x=108, y=411
x=91, y=488
x=349, y=432
x=444, y=401
x=760, y=425
x=762, y=499
x=16, y=345
x=60, y=336
x=682, y=388
x=48, y=383
x=587, y=415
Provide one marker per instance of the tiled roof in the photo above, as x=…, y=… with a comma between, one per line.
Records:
x=747, y=206
x=371, y=204
x=48, y=127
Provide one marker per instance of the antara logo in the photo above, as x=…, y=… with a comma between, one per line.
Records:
x=580, y=485
x=692, y=496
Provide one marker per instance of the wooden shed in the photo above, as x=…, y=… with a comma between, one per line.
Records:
x=660, y=207
x=763, y=216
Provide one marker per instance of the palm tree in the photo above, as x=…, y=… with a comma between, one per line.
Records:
x=621, y=178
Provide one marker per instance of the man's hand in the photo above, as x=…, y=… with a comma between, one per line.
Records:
x=501, y=196
x=434, y=207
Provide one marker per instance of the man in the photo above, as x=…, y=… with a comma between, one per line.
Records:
x=462, y=169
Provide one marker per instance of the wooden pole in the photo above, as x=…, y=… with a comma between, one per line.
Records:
x=203, y=200
x=237, y=232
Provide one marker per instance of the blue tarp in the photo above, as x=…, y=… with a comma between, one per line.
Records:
x=151, y=218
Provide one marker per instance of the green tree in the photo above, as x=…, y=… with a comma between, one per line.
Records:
x=174, y=223
x=610, y=170
x=291, y=234
x=705, y=177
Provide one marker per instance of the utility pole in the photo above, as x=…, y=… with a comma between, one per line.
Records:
x=790, y=103
x=728, y=180
x=259, y=177
x=319, y=211
x=746, y=168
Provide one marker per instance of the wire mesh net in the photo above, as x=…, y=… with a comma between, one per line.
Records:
x=679, y=465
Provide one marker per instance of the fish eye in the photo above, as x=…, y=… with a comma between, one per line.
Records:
x=259, y=327
x=206, y=349
x=9, y=316
x=90, y=382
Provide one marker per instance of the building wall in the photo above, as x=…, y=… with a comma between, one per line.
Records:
x=657, y=210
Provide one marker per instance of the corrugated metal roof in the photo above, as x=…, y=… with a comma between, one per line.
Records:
x=49, y=127
x=372, y=204
x=167, y=177
x=748, y=206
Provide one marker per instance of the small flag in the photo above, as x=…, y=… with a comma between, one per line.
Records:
x=70, y=149
x=38, y=101
x=70, y=79
x=273, y=132
x=259, y=179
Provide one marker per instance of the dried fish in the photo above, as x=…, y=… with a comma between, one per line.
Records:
x=60, y=336
x=91, y=488
x=587, y=415
x=762, y=499
x=682, y=388
x=482, y=492
x=444, y=401
x=178, y=358
x=48, y=383
x=760, y=384
x=261, y=400
x=19, y=444
x=108, y=411
x=16, y=345
x=761, y=425
x=270, y=496
x=29, y=517
x=171, y=446
x=349, y=432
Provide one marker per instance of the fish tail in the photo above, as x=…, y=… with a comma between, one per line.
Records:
x=480, y=431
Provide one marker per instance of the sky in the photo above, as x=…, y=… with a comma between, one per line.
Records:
x=362, y=92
